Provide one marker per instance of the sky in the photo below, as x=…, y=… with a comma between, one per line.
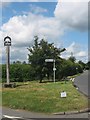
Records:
x=65, y=23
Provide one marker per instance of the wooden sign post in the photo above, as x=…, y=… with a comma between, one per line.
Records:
x=7, y=43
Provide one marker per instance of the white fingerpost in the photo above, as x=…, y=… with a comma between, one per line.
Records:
x=54, y=69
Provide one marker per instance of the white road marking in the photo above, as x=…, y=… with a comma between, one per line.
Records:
x=12, y=117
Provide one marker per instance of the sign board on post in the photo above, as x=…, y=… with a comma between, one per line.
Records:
x=63, y=94
x=54, y=69
x=49, y=60
x=7, y=41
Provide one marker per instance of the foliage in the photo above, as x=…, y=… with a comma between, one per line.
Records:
x=69, y=68
x=38, y=69
x=82, y=64
x=87, y=67
x=72, y=59
x=18, y=72
x=38, y=53
x=3, y=71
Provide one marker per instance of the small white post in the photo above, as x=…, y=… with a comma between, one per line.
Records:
x=54, y=70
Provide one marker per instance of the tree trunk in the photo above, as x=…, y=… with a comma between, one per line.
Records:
x=40, y=78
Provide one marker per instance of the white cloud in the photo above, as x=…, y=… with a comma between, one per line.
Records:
x=37, y=10
x=74, y=15
x=81, y=54
x=22, y=28
x=75, y=49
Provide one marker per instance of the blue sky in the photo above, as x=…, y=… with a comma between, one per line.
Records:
x=77, y=36
x=57, y=22
x=17, y=8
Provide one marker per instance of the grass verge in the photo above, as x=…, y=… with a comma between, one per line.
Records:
x=44, y=97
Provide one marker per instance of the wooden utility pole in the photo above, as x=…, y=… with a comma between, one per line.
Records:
x=7, y=43
x=8, y=63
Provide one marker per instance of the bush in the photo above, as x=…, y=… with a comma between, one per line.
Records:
x=25, y=72
x=10, y=85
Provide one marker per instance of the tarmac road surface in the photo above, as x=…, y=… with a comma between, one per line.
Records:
x=82, y=83
x=11, y=114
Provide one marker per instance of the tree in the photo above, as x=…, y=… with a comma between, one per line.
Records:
x=16, y=72
x=38, y=53
x=82, y=64
x=18, y=62
x=24, y=62
x=68, y=68
x=72, y=58
x=87, y=67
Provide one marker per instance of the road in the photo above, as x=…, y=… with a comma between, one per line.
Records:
x=26, y=115
x=82, y=82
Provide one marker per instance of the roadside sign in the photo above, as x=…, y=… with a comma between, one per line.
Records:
x=63, y=94
x=54, y=69
x=49, y=60
x=7, y=41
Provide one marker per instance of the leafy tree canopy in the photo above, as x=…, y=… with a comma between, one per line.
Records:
x=38, y=53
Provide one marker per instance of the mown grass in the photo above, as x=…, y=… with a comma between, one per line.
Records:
x=44, y=97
